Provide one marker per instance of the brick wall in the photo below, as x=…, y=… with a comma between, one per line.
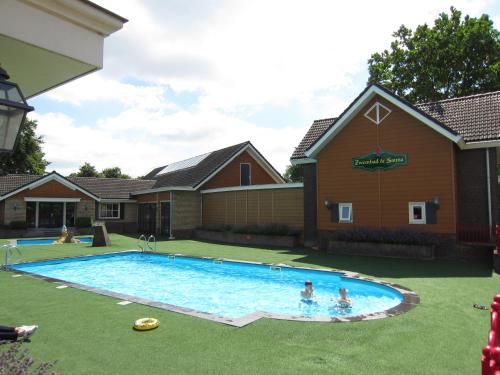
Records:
x=186, y=211
x=85, y=208
x=15, y=210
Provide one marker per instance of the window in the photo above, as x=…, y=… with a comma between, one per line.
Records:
x=109, y=211
x=416, y=213
x=345, y=212
x=245, y=174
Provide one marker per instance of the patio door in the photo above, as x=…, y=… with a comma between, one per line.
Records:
x=165, y=218
x=147, y=218
x=50, y=214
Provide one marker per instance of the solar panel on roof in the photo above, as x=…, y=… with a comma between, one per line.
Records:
x=183, y=164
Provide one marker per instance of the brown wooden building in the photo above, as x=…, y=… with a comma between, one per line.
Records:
x=385, y=163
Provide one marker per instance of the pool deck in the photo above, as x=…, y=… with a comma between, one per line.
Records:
x=410, y=298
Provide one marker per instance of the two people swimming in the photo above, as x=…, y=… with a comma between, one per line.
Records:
x=308, y=295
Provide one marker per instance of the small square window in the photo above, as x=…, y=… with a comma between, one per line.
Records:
x=416, y=214
x=345, y=212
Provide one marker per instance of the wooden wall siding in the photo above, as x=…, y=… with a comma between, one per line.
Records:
x=271, y=206
x=153, y=197
x=51, y=189
x=380, y=199
x=186, y=210
x=230, y=175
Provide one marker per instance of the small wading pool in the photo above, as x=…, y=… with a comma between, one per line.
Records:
x=47, y=241
x=231, y=292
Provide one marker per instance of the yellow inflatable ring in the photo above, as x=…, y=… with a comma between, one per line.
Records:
x=145, y=324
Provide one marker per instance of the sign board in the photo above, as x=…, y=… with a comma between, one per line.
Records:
x=379, y=160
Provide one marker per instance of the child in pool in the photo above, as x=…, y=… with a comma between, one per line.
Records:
x=344, y=301
x=308, y=292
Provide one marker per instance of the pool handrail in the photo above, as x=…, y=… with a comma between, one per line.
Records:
x=9, y=251
x=143, y=238
x=152, y=239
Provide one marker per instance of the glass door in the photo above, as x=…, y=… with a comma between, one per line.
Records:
x=50, y=215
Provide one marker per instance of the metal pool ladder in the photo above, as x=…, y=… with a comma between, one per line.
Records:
x=9, y=251
x=141, y=247
x=151, y=239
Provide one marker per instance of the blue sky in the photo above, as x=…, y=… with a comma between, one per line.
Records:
x=184, y=78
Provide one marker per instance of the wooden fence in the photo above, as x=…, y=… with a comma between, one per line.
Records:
x=267, y=204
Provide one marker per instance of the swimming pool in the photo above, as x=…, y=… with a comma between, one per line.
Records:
x=47, y=241
x=226, y=291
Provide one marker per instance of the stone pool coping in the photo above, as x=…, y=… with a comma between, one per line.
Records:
x=410, y=298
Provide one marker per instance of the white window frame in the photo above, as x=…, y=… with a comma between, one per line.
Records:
x=345, y=220
x=108, y=217
x=249, y=173
x=378, y=119
x=411, y=219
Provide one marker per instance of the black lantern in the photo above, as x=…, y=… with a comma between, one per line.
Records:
x=13, y=109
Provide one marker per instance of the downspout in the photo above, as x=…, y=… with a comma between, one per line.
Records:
x=488, y=184
x=171, y=216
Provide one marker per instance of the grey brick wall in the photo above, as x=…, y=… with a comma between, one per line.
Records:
x=15, y=210
x=85, y=208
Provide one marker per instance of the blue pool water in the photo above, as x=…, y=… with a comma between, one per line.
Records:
x=47, y=241
x=227, y=289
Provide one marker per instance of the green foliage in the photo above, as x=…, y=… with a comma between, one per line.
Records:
x=294, y=173
x=18, y=224
x=114, y=172
x=455, y=57
x=28, y=156
x=88, y=170
x=269, y=229
x=83, y=222
x=388, y=236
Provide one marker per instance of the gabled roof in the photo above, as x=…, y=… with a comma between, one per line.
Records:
x=205, y=167
x=476, y=117
x=12, y=184
x=112, y=188
x=467, y=121
x=95, y=188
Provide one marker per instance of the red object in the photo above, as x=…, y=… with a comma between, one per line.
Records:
x=490, y=360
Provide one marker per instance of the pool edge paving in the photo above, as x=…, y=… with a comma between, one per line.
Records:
x=410, y=298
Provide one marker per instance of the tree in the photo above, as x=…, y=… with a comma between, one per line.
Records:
x=86, y=170
x=28, y=156
x=453, y=58
x=114, y=172
x=294, y=173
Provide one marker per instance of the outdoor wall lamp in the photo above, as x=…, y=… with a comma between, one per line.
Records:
x=13, y=109
x=15, y=207
x=436, y=201
x=328, y=203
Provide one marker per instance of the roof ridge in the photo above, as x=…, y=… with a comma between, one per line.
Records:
x=460, y=98
x=110, y=178
x=325, y=119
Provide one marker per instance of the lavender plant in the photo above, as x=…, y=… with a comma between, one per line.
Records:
x=17, y=361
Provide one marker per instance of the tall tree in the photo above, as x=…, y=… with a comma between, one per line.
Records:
x=114, y=172
x=86, y=170
x=453, y=58
x=294, y=173
x=28, y=156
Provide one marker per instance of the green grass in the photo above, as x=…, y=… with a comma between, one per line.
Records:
x=90, y=334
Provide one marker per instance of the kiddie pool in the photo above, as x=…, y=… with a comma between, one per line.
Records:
x=231, y=292
x=47, y=241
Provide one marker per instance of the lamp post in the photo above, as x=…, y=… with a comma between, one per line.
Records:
x=13, y=109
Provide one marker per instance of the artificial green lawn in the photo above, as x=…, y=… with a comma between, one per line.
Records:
x=91, y=334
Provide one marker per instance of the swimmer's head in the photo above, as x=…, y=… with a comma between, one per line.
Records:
x=308, y=283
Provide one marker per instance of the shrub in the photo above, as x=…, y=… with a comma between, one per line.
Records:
x=269, y=229
x=389, y=236
x=18, y=224
x=216, y=227
x=83, y=222
x=15, y=361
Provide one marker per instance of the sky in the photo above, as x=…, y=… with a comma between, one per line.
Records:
x=183, y=78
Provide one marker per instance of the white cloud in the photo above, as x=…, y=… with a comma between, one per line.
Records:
x=126, y=142
x=96, y=88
